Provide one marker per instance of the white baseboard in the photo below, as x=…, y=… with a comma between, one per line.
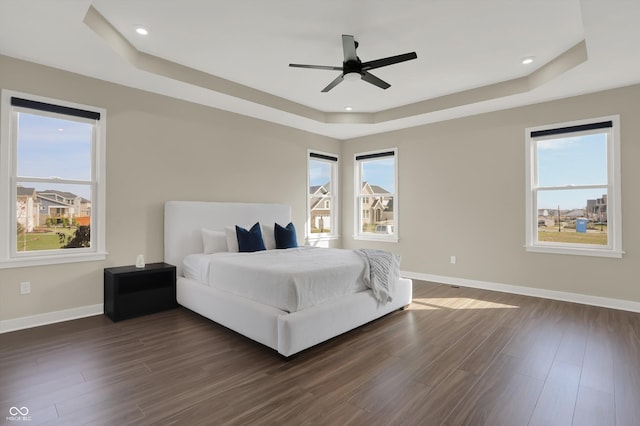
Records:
x=50, y=318
x=585, y=299
x=605, y=302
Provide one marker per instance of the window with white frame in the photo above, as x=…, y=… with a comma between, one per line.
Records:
x=52, y=178
x=573, y=188
x=376, y=196
x=322, y=184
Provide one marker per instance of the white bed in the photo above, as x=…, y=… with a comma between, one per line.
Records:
x=286, y=332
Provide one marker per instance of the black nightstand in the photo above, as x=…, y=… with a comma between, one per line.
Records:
x=130, y=292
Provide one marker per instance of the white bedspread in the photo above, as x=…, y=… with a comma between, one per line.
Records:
x=291, y=279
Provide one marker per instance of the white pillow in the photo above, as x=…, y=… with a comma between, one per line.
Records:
x=213, y=241
x=232, y=239
x=268, y=236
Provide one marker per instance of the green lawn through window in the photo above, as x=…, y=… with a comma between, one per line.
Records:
x=43, y=239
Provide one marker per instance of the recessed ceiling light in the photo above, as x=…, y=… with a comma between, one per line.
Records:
x=142, y=30
x=527, y=60
x=348, y=108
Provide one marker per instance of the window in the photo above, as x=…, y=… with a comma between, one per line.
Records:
x=376, y=197
x=51, y=180
x=573, y=188
x=322, y=221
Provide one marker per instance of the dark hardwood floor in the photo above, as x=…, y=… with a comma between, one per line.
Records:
x=457, y=357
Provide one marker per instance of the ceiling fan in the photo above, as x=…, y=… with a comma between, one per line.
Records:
x=354, y=69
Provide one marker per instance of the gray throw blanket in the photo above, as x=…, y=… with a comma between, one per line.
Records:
x=381, y=273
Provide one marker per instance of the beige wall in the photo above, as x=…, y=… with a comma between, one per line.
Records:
x=461, y=189
x=158, y=149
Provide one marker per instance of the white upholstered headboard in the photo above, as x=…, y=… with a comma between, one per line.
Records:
x=184, y=220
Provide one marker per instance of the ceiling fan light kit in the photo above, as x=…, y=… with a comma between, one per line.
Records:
x=352, y=76
x=354, y=69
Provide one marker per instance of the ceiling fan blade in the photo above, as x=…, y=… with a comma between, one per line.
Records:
x=349, y=48
x=370, y=78
x=317, y=67
x=388, y=61
x=334, y=83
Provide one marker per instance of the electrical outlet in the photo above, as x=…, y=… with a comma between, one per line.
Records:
x=25, y=287
x=453, y=260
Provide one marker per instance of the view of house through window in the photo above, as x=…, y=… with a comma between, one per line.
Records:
x=53, y=182
x=376, y=199
x=574, y=195
x=322, y=194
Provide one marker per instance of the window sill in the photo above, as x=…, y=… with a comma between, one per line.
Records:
x=576, y=251
x=374, y=237
x=325, y=237
x=51, y=260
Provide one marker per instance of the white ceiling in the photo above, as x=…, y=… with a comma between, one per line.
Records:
x=235, y=55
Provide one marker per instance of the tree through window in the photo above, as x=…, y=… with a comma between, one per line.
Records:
x=52, y=173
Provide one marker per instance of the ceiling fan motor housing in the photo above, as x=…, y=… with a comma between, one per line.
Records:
x=352, y=66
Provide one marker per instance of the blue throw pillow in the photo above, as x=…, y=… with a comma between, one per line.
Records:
x=251, y=240
x=285, y=237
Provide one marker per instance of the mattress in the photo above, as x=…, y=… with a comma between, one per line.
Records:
x=290, y=280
